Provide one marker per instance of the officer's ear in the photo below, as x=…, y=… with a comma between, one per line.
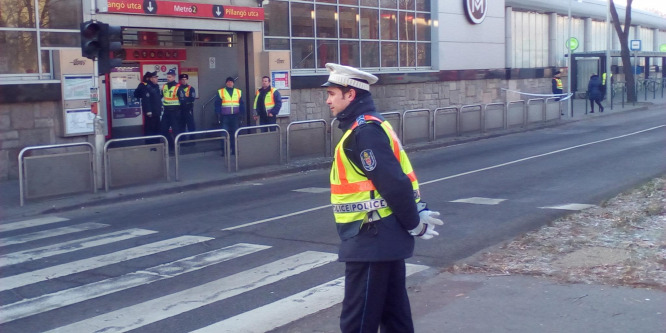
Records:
x=351, y=94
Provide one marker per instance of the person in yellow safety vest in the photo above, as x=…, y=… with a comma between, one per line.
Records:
x=228, y=107
x=603, y=84
x=267, y=104
x=557, y=84
x=377, y=207
x=173, y=100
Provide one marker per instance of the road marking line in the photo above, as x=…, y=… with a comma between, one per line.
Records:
x=20, y=239
x=73, y=267
x=31, y=223
x=33, y=306
x=480, y=201
x=139, y=315
x=455, y=176
x=71, y=246
x=313, y=190
x=287, y=310
x=572, y=206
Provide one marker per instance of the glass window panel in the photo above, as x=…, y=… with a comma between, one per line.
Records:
x=276, y=43
x=46, y=61
x=388, y=3
x=406, y=4
x=389, y=25
x=370, y=54
x=276, y=21
x=327, y=51
x=349, y=54
x=19, y=52
x=423, y=54
x=302, y=20
x=349, y=22
x=326, y=19
x=302, y=53
x=423, y=27
x=60, y=14
x=17, y=14
x=407, y=54
x=61, y=39
x=370, y=3
x=369, y=23
x=423, y=5
x=406, y=25
x=389, y=54
x=349, y=2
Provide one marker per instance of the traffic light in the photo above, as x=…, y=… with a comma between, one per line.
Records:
x=111, y=53
x=91, y=39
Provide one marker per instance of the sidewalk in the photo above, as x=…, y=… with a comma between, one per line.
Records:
x=203, y=170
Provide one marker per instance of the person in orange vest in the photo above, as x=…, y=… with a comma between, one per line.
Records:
x=377, y=208
x=557, y=84
x=228, y=107
x=267, y=103
x=173, y=100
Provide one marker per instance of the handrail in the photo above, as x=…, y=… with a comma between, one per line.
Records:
x=404, y=121
x=508, y=107
x=26, y=149
x=203, y=107
x=481, y=118
x=485, y=110
x=247, y=128
x=305, y=122
x=106, y=158
x=543, y=108
x=455, y=109
x=224, y=136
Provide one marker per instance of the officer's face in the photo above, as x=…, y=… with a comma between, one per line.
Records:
x=265, y=83
x=338, y=101
x=154, y=79
x=230, y=84
x=171, y=78
x=183, y=81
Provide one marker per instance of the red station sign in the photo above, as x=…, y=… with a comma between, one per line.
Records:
x=185, y=9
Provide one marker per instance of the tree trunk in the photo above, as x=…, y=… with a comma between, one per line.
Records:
x=623, y=36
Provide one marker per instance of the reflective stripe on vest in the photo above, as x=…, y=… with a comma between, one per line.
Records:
x=170, y=96
x=230, y=103
x=352, y=194
x=269, y=102
x=559, y=83
x=186, y=89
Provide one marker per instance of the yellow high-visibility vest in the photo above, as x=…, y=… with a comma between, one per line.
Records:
x=353, y=195
x=230, y=103
x=170, y=96
x=269, y=102
x=559, y=83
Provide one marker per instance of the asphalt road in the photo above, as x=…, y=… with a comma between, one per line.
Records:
x=237, y=253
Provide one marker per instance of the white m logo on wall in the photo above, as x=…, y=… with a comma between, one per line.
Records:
x=476, y=10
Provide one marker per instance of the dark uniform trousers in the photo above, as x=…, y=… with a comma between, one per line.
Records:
x=171, y=119
x=375, y=296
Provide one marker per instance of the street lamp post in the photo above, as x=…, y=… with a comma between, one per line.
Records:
x=609, y=42
x=569, y=62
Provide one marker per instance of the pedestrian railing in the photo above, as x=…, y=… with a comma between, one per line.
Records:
x=416, y=126
x=137, y=164
x=536, y=110
x=336, y=135
x=258, y=148
x=494, y=116
x=471, y=118
x=445, y=122
x=306, y=138
x=553, y=108
x=190, y=137
x=515, y=113
x=58, y=173
x=395, y=118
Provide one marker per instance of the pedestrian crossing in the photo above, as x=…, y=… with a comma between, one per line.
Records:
x=48, y=297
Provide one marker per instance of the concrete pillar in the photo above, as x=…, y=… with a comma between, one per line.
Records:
x=655, y=39
x=552, y=39
x=508, y=37
x=587, y=34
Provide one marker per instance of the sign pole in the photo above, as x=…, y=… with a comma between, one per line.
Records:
x=569, y=62
x=98, y=124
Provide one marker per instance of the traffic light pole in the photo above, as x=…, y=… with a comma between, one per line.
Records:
x=98, y=123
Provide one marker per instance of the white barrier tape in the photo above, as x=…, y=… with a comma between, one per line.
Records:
x=568, y=95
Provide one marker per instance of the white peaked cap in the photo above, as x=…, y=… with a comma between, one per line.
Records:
x=349, y=76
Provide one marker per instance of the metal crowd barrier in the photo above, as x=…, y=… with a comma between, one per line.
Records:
x=397, y=127
x=309, y=147
x=492, y=119
x=259, y=149
x=538, y=113
x=416, y=131
x=513, y=120
x=141, y=162
x=56, y=182
x=224, y=136
x=469, y=116
x=550, y=112
x=449, y=110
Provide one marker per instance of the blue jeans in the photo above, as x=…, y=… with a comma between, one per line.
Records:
x=230, y=123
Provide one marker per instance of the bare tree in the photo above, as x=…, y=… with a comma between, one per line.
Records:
x=623, y=35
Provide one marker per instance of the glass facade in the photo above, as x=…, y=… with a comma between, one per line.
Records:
x=29, y=32
x=390, y=35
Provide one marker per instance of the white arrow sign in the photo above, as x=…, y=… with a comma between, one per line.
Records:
x=150, y=6
x=218, y=12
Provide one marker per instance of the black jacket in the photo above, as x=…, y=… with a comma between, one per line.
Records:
x=594, y=91
x=151, y=98
x=387, y=239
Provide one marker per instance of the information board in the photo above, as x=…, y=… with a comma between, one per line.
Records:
x=76, y=87
x=79, y=121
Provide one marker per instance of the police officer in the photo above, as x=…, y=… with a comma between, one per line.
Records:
x=148, y=92
x=556, y=84
x=188, y=108
x=267, y=103
x=173, y=98
x=377, y=207
x=228, y=105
